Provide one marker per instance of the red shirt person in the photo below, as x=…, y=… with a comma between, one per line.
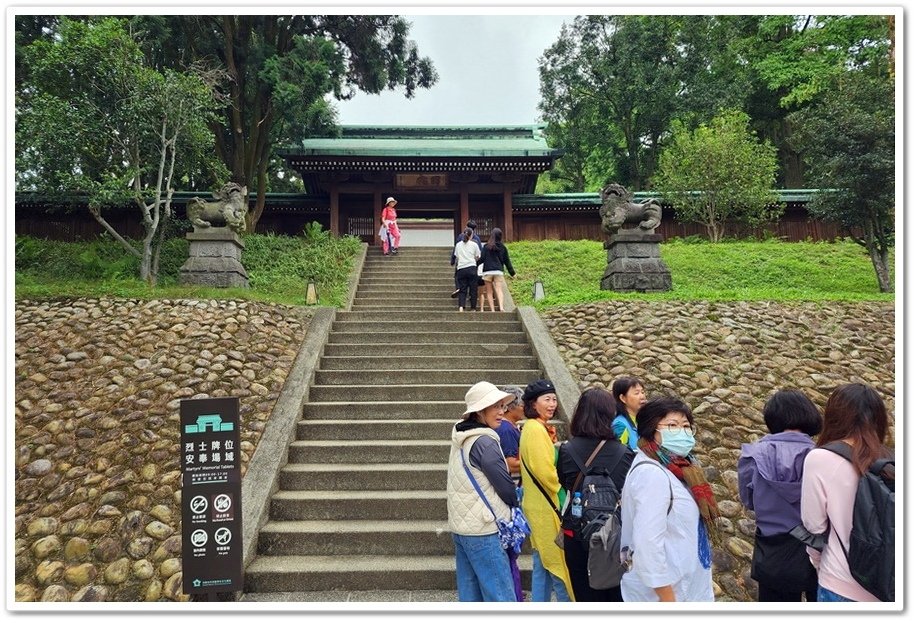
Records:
x=390, y=233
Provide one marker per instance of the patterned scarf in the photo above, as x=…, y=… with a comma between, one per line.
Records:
x=688, y=471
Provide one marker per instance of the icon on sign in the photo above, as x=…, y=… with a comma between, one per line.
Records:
x=222, y=503
x=198, y=504
x=196, y=582
x=199, y=538
x=222, y=536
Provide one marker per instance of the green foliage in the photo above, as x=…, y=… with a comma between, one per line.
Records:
x=800, y=55
x=94, y=118
x=285, y=69
x=314, y=233
x=848, y=137
x=719, y=172
x=611, y=84
x=730, y=271
x=278, y=268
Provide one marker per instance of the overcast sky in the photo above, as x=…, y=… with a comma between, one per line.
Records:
x=488, y=73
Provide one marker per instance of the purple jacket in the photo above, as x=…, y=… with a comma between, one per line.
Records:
x=769, y=480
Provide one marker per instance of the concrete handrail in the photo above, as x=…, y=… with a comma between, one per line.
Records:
x=552, y=364
x=261, y=480
x=353, y=280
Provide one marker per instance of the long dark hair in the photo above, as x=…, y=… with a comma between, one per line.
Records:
x=593, y=415
x=856, y=412
x=467, y=233
x=496, y=237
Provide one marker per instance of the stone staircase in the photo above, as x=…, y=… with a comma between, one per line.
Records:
x=361, y=504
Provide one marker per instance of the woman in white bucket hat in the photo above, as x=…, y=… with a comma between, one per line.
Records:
x=390, y=233
x=481, y=563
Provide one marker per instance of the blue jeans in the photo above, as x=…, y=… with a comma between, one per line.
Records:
x=543, y=582
x=482, y=568
x=827, y=595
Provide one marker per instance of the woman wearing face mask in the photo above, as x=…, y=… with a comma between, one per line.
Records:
x=668, y=510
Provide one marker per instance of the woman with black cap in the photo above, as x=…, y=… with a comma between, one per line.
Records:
x=480, y=490
x=541, y=501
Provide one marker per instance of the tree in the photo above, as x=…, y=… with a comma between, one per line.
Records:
x=282, y=69
x=93, y=118
x=793, y=58
x=610, y=86
x=848, y=137
x=719, y=172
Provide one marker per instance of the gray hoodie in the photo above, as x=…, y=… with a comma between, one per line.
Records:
x=769, y=480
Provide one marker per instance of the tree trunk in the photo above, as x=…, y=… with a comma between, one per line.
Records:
x=146, y=260
x=882, y=271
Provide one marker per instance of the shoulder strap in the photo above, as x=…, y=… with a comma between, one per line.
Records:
x=841, y=448
x=670, y=490
x=474, y=482
x=538, y=485
x=588, y=462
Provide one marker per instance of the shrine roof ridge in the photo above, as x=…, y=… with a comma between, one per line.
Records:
x=484, y=141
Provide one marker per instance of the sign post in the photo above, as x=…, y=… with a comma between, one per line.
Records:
x=211, y=497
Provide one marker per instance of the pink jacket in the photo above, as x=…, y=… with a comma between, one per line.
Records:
x=829, y=488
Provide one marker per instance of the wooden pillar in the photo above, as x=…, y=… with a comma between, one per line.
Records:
x=508, y=229
x=335, y=209
x=377, y=208
x=464, y=211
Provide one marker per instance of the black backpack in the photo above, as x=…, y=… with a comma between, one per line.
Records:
x=871, y=553
x=599, y=526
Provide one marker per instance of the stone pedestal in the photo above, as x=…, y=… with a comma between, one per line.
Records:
x=634, y=264
x=215, y=260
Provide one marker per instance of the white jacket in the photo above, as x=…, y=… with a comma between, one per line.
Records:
x=664, y=545
x=467, y=514
x=466, y=254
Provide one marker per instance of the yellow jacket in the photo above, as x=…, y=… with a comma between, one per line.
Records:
x=537, y=454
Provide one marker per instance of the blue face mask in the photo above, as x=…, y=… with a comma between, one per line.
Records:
x=679, y=443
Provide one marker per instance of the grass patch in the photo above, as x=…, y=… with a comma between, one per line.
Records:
x=278, y=268
x=728, y=271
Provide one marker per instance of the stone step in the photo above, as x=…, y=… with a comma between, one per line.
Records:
x=465, y=324
x=434, y=266
x=378, y=360
x=378, y=451
x=428, y=337
x=362, y=476
x=341, y=429
x=385, y=278
x=358, y=572
x=420, y=301
x=390, y=411
x=425, y=393
x=348, y=538
x=426, y=377
x=414, y=315
x=397, y=287
x=354, y=505
x=395, y=347
x=446, y=306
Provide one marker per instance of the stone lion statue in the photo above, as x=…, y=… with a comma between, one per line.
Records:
x=617, y=209
x=229, y=209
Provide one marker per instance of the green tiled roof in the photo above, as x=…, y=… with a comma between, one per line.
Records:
x=429, y=141
x=786, y=195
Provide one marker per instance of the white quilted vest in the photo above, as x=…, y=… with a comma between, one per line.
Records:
x=467, y=514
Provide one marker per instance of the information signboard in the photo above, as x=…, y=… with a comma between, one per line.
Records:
x=211, y=496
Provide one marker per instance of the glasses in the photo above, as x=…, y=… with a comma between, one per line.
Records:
x=673, y=428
